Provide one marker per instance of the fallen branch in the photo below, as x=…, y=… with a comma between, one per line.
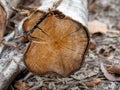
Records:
x=10, y=59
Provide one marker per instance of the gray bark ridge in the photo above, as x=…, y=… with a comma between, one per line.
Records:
x=10, y=59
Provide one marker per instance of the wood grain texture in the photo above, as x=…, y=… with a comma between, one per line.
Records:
x=3, y=17
x=58, y=47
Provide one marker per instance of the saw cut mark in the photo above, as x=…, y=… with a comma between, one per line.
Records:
x=64, y=48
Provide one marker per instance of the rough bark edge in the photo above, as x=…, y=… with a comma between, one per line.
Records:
x=67, y=7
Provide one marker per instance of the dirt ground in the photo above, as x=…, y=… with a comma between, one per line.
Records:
x=106, y=11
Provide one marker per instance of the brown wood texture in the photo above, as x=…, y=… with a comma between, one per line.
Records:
x=3, y=17
x=57, y=44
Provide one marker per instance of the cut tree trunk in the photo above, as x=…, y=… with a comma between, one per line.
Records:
x=59, y=39
x=58, y=35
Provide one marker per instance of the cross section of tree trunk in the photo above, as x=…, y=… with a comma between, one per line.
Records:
x=59, y=38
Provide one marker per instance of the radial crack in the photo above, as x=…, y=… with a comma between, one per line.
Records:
x=69, y=49
x=42, y=31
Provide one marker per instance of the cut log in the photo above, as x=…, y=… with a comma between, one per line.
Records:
x=58, y=35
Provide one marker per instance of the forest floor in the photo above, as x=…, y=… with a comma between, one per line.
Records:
x=107, y=50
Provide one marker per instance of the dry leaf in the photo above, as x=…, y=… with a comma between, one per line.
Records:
x=113, y=69
x=118, y=26
x=21, y=85
x=109, y=76
x=97, y=27
x=93, y=82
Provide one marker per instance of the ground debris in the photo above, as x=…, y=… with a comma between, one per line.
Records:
x=118, y=26
x=109, y=76
x=115, y=69
x=93, y=82
x=21, y=85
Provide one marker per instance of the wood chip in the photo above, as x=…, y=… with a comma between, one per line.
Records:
x=108, y=75
x=92, y=45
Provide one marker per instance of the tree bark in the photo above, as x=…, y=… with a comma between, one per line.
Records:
x=10, y=59
x=77, y=10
